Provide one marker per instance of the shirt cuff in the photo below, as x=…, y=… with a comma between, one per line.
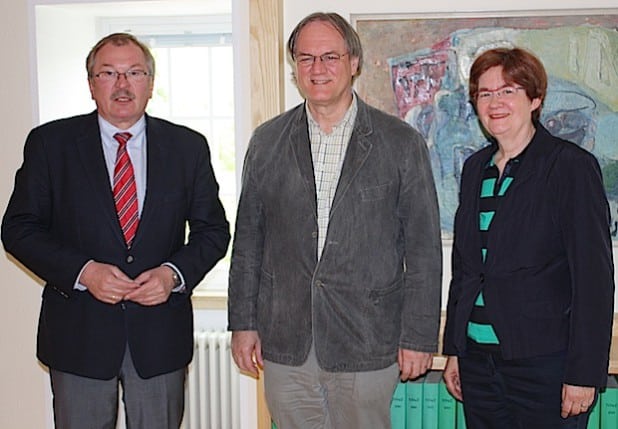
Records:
x=181, y=287
x=77, y=285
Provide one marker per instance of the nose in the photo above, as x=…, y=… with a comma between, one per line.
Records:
x=318, y=64
x=495, y=98
x=122, y=80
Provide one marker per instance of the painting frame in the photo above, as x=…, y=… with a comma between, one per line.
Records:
x=429, y=35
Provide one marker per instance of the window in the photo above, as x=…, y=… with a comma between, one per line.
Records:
x=194, y=87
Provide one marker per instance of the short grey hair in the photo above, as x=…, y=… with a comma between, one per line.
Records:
x=120, y=39
x=350, y=36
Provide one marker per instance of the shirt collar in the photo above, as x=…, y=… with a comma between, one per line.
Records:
x=108, y=130
x=347, y=120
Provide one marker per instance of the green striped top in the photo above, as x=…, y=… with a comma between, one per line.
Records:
x=493, y=189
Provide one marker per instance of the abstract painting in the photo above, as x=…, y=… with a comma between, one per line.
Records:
x=417, y=68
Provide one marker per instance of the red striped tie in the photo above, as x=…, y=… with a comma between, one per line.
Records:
x=125, y=191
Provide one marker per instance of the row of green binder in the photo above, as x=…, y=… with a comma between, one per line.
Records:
x=426, y=404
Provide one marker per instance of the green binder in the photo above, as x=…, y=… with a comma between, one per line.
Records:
x=414, y=405
x=398, y=407
x=431, y=389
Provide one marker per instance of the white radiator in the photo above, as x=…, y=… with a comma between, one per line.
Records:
x=212, y=390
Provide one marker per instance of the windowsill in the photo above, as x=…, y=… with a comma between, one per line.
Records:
x=211, y=293
x=209, y=299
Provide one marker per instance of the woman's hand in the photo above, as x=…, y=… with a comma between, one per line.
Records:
x=451, y=377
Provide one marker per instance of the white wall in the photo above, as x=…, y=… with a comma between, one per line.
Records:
x=62, y=56
x=24, y=387
x=22, y=392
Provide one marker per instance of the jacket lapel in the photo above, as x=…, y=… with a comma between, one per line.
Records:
x=155, y=165
x=301, y=147
x=90, y=154
x=535, y=153
x=356, y=154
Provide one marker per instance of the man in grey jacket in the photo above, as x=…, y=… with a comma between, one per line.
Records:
x=335, y=281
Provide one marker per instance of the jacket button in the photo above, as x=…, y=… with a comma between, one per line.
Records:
x=314, y=234
x=318, y=283
x=130, y=259
x=482, y=278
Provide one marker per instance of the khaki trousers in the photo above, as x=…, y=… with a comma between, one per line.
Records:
x=307, y=397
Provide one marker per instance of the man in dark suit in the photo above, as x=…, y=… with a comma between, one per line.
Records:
x=99, y=212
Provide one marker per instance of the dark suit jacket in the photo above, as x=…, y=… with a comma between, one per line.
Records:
x=548, y=279
x=62, y=214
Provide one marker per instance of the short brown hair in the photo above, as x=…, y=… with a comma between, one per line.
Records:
x=519, y=66
x=120, y=39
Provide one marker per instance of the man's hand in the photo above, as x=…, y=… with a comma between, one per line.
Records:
x=451, y=378
x=247, y=352
x=413, y=364
x=107, y=283
x=576, y=399
x=155, y=286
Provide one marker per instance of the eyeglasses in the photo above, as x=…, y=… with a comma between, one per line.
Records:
x=505, y=93
x=328, y=59
x=130, y=75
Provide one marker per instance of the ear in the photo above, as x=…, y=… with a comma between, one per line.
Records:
x=91, y=87
x=354, y=65
x=535, y=104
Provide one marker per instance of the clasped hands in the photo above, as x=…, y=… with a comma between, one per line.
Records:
x=109, y=284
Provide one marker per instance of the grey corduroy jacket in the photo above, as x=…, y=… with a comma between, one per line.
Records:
x=377, y=285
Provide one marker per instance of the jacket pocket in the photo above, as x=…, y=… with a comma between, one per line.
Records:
x=378, y=295
x=375, y=193
x=381, y=321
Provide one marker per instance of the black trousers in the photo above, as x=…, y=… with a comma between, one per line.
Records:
x=514, y=394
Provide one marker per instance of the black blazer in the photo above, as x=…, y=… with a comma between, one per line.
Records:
x=548, y=280
x=61, y=215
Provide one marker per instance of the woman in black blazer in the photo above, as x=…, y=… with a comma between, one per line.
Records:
x=530, y=306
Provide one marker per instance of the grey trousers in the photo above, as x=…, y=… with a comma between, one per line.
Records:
x=307, y=397
x=86, y=403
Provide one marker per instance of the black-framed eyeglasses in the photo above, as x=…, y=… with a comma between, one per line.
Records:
x=130, y=75
x=328, y=59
